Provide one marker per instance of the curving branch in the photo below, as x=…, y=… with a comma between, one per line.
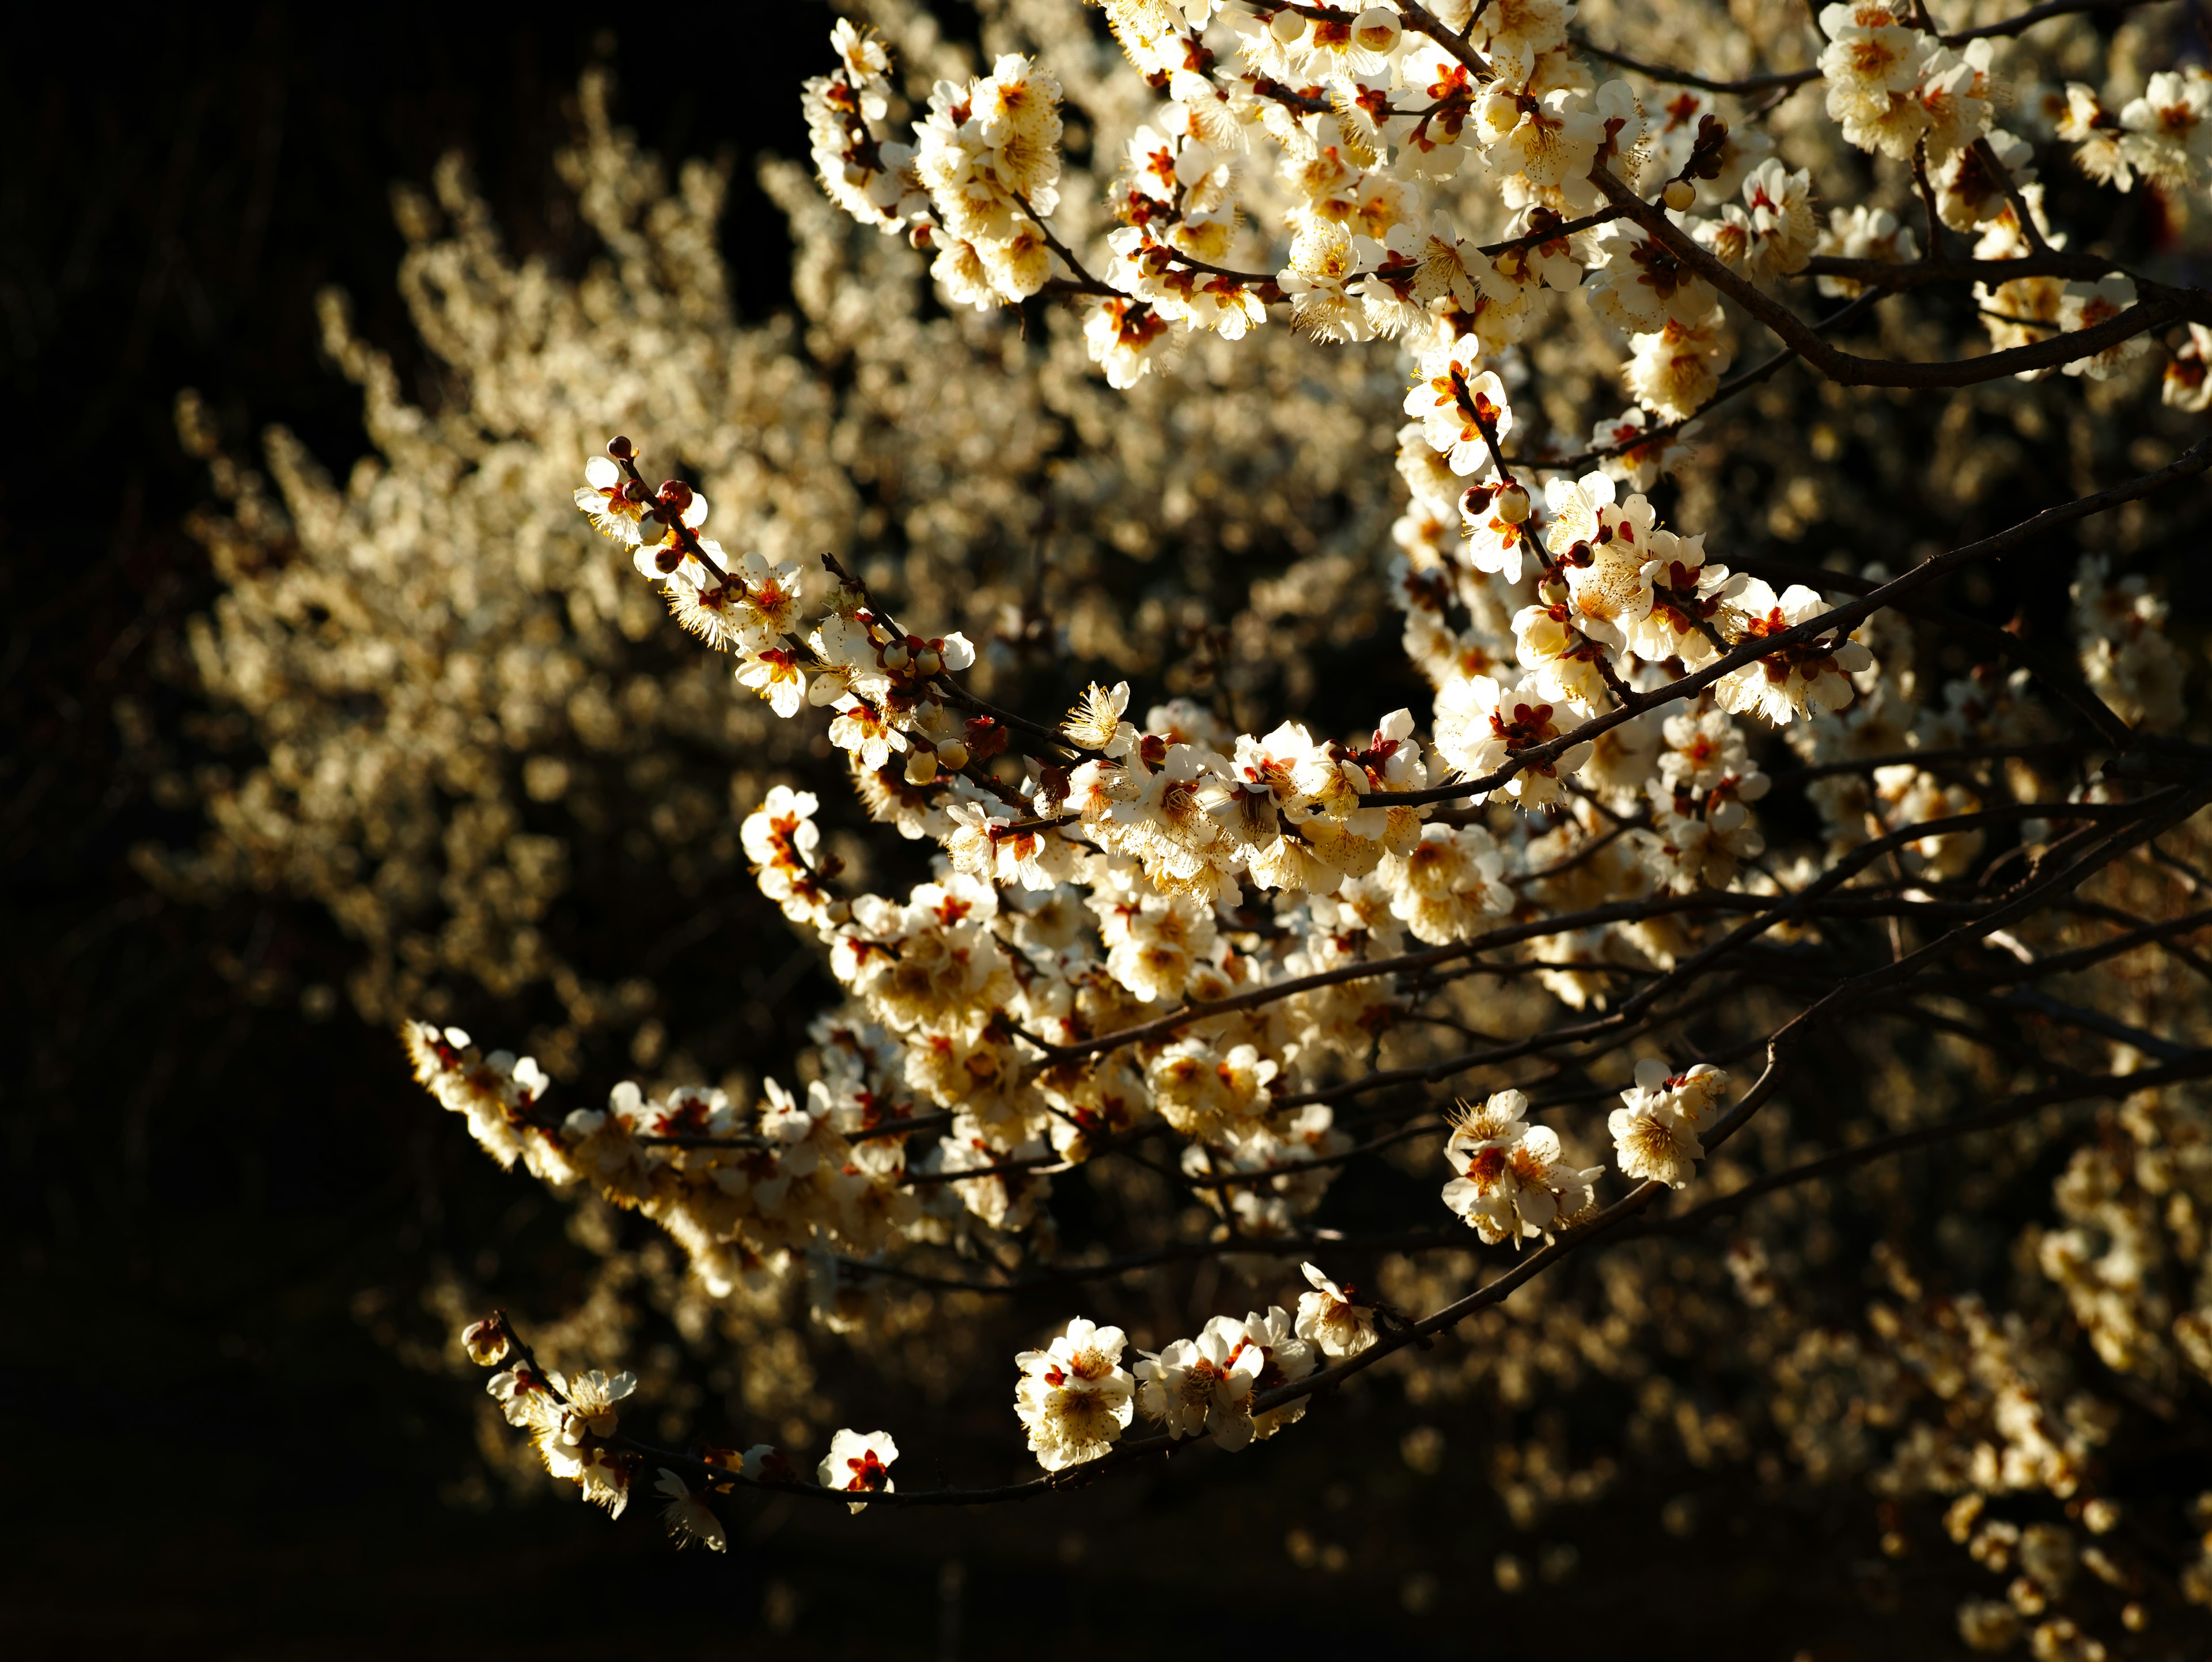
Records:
x=2166, y=306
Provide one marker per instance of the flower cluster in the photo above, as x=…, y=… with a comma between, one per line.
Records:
x=1512, y=1182
x=1187, y=925
x=1655, y=1131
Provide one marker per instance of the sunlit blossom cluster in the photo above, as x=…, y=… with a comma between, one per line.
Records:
x=1163, y=925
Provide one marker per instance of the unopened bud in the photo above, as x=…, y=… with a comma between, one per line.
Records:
x=838, y=911
x=1680, y=194
x=485, y=1341
x=667, y=558
x=953, y=754
x=635, y=491
x=1513, y=504
x=895, y=655
x=676, y=494
x=621, y=448
x=920, y=766
x=928, y=660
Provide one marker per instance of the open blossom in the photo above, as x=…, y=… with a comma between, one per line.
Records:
x=1548, y=139
x=2186, y=385
x=1644, y=285
x=1319, y=280
x=1677, y=371
x=1860, y=231
x=1604, y=548
x=1795, y=680
x=1203, y=1385
x=1482, y=724
x=861, y=729
x=1496, y=518
x=1511, y=1183
x=2084, y=306
x=1447, y=886
x=602, y=498
x=687, y=1516
x=1095, y=721
x=1285, y=1357
x=1122, y=337
x=1454, y=399
x=2166, y=133
x=1688, y=595
x=571, y=1420
x=859, y=1462
x=1329, y=1317
x=1872, y=67
x=1075, y=1398
x=1654, y=1133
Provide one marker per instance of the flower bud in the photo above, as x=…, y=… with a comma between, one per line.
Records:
x=676, y=494
x=920, y=766
x=1286, y=27
x=1513, y=504
x=895, y=655
x=1680, y=194
x=667, y=557
x=953, y=754
x=1376, y=29
x=928, y=660
x=621, y=448
x=635, y=491
x=486, y=1340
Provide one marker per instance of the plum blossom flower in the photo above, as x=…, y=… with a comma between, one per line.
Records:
x=861, y=730
x=1512, y=1182
x=1324, y=264
x=602, y=497
x=1688, y=595
x=1654, y=1133
x=1644, y=285
x=1872, y=65
x=1328, y=1317
x=1455, y=398
x=2086, y=305
x=1075, y=1398
x=485, y=1341
x=1547, y=139
x=1795, y=680
x=1202, y=1385
x=1481, y=724
x=2166, y=133
x=1676, y=371
x=687, y=1516
x=1123, y=337
x=859, y=1462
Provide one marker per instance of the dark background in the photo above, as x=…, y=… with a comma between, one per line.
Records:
x=223, y=1461
x=224, y=1458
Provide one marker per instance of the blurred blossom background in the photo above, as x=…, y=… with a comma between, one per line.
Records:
x=240, y=1240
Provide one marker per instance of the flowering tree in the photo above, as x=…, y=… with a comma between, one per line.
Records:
x=1674, y=829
